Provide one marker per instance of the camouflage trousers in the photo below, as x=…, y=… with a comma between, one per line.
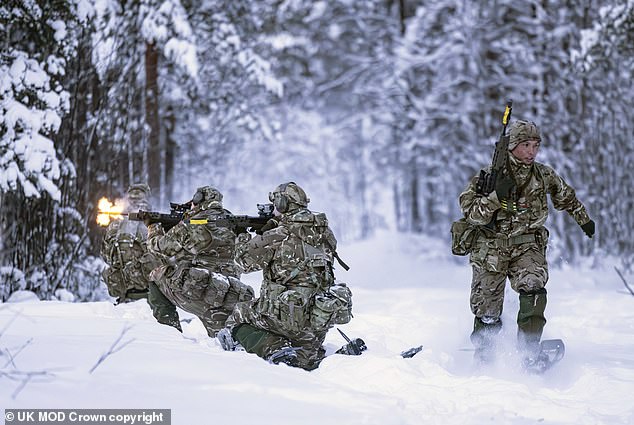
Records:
x=208, y=295
x=524, y=265
x=307, y=340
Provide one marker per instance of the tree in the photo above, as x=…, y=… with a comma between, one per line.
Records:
x=39, y=231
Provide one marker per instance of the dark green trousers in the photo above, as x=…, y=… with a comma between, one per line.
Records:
x=162, y=308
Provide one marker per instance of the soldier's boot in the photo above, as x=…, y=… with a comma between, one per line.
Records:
x=353, y=348
x=485, y=330
x=163, y=310
x=267, y=345
x=530, y=322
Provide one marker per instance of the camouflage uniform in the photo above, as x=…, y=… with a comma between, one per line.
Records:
x=299, y=300
x=515, y=245
x=125, y=252
x=198, y=272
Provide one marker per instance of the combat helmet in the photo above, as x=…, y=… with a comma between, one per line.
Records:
x=139, y=196
x=288, y=197
x=207, y=197
x=521, y=131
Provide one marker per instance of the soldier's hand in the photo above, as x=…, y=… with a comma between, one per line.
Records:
x=588, y=229
x=271, y=224
x=154, y=229
x=504, y=186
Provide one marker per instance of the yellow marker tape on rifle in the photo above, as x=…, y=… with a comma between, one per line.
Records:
x=199, y=221
x=505, y=118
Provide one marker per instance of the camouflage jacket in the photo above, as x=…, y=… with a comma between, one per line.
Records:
x=298, y=252
x=203, y=245
x=536, y=181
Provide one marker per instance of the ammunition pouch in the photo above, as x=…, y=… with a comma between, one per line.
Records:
x=332, y=307
x=196, y=282
x=289, y=307
x=293, y=307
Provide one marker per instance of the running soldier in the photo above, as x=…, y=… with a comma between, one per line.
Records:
x=512, y=241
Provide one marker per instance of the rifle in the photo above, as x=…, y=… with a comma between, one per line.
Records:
x=486, y=181
x=242, y=223
x=177, y=211
x=239, y=223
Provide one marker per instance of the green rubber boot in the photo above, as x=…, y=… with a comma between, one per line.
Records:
x=531, y=320
x=267, y=345
x=485, y=329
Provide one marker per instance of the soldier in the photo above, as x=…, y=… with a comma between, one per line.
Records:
x=512, y=241
x=198, y=272
x=124, y=250
x=299, y=299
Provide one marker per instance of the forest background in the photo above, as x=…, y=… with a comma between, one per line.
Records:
x=381, y=109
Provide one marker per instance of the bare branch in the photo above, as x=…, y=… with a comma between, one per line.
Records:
x=24, y=378
x=624, y=281
x=113, y=348
x=15, y=316
x=13, y=356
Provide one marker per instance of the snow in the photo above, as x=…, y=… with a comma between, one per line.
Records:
x=407, y=291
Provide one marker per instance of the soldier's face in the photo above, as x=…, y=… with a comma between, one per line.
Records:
x=526, y=151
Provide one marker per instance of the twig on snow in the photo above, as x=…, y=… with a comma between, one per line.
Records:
x=629, y=288
x=113, y=348
x=13, y=356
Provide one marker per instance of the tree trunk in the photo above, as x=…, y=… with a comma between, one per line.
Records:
x=152, y=118
x=416, y=221
x=170, y=152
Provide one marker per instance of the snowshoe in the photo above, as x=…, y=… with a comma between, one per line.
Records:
x=286, y=355
x=353, y=348
x=550, y=352
x=408, y=354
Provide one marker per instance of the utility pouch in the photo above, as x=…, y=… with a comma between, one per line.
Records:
x=268, y=304
x=238, y=292
x=195, y=283
x=216, y=290
x=293, y=305
x=463, y=236
x=332, y=307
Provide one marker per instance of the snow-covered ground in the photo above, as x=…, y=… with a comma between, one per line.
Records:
x=407, y=292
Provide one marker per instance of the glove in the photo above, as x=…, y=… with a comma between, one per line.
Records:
x=503, y=186
x=271, y=224
x=588, y=229
x=154, y=229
